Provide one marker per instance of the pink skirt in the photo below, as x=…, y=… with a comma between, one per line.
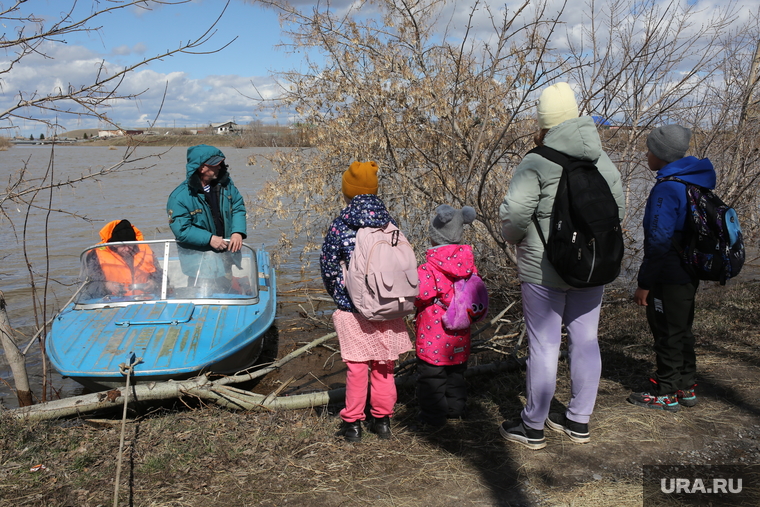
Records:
x=364, y=340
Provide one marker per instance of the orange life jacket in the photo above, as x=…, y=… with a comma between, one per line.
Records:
x=116, y=269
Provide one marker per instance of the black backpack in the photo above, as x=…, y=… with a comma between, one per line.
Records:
x=585, y=243
x=713, y=248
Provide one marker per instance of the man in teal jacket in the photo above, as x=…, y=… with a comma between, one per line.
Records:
x=206, y=208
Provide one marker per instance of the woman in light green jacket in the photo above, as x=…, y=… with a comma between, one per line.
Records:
x=548, y=301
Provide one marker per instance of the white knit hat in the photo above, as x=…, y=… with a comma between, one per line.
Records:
x=555, y=105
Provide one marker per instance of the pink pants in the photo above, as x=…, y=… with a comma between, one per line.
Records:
x=382, y=395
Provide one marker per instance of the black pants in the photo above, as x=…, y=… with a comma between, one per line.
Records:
x=670, y=313
x=441, y=392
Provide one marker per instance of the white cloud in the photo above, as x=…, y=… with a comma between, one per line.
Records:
x=125, y=50
x=193, y=98
x=188, y=102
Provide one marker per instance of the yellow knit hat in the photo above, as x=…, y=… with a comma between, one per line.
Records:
x=360, y=178
x=555, y=105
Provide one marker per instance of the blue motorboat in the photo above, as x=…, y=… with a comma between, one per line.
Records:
x=193, y=312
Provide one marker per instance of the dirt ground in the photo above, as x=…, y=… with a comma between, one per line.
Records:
x=187, y=454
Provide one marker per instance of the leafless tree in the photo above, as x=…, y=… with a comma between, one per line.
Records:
x=87, y=100
x=445, y=120
x=648, y=63
x=448, y=115
x=91, y=100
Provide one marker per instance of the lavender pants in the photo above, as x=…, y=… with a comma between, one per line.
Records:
x=545, y=310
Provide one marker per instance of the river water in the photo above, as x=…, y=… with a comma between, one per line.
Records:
x=137, y=193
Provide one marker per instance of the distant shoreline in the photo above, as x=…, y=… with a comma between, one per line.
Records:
x=171, y=140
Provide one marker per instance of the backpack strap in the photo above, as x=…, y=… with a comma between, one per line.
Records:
x=558, y=158
x=553, y=155
x=675, y=178
x=687, y=230
x=679, y=180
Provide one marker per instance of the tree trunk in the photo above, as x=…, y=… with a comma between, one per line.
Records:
x=15, y=358
x=201, y=387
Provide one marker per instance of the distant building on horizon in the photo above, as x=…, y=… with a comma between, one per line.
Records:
x=111, y=133
x=228, y=127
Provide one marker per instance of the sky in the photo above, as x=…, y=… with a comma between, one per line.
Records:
x=200, y=88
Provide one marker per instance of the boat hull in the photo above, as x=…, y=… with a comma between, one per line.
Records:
x=229, y=366
x=167, y=339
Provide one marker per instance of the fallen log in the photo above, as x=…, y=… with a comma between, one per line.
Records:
x=220, y=391
x=211, y=391
x=245, y=400
x=200, y=387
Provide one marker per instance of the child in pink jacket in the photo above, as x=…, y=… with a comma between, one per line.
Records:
x=442, y=353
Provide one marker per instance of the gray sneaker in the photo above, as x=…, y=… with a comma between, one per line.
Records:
x=516, y=431
x=578, y=432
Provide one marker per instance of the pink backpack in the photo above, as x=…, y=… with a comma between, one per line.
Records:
x=381, y=277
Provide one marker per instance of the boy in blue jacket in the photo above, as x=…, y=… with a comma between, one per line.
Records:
x=665, y=286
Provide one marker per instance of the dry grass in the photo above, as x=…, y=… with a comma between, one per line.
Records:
x=179, y=456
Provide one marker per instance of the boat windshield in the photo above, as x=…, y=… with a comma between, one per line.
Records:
x=161, y=270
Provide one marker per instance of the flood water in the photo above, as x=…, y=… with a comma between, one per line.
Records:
x=137, y=193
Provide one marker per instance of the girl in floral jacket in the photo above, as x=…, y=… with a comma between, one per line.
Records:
x=369, y=348
x=442, y=353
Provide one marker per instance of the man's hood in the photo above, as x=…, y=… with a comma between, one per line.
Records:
x=196, y=156
x=107, y=231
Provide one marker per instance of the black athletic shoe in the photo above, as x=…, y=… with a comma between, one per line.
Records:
x=516, y=431
x=380, y=427
x=351, y=431
x=578, y=432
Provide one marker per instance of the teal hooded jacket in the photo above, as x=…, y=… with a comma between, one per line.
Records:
x=190, y=216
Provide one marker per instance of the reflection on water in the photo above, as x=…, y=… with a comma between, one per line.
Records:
x=137, y=193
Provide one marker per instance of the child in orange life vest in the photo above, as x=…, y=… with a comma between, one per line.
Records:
x=367, y=347
x=442, y=353
x=122, y=270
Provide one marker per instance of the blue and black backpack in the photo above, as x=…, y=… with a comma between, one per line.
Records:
x=713, y=248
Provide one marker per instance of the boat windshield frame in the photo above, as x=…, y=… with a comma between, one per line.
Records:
x=220, y=278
